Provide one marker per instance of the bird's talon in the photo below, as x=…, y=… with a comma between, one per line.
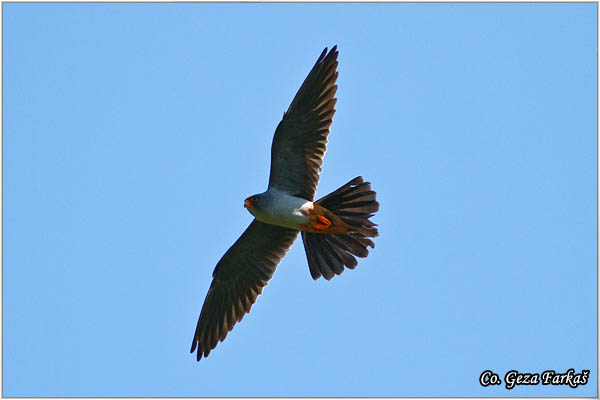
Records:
x=325, y=223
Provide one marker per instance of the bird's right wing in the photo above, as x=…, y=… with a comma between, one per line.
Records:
x=238, y=279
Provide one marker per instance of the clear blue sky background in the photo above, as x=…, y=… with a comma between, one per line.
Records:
x=133, y=132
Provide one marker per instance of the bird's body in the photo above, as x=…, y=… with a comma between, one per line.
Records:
x=276, y=207
x=335, y=229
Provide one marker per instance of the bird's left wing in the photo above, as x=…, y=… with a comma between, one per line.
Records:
x=238, y=279
x=300, y=140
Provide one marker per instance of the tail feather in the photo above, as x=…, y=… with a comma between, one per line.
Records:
x=354, y=244
x=327, y=254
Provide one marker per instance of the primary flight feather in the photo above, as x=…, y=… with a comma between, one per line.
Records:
x=334, y=229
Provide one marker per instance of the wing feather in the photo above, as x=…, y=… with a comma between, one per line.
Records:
x=238, y=279
x=300, y=140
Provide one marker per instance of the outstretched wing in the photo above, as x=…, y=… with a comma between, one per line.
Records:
x=300, y=140
x=238, y=279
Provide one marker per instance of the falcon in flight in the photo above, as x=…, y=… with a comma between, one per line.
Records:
x=335, y=228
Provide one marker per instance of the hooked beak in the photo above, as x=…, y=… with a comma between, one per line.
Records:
x=247, y=203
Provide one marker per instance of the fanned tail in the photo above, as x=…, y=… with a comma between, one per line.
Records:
x=327, y=254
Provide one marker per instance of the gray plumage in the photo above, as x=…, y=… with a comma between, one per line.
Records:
x=297, y=151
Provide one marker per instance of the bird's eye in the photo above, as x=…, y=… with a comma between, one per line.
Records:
x=253, y=199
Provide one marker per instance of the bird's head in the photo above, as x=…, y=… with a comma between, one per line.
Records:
x=253, y=202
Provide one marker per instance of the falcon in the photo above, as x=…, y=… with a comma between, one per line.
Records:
x=335, y=229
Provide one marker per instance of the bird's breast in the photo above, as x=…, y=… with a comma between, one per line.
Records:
x=285, y=210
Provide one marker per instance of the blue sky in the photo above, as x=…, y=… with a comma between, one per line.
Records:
x=133, y=132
